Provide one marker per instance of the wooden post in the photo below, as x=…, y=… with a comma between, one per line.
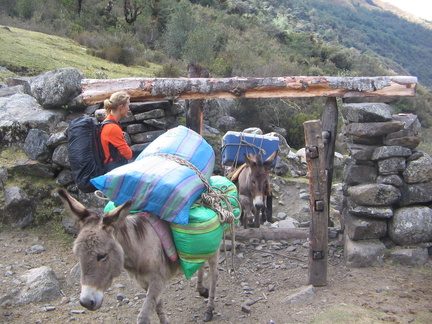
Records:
x=195, y=107
x=318, y=238
x=329, y=121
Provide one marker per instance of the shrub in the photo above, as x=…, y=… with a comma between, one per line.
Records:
x=169, y=70
x=26, y=8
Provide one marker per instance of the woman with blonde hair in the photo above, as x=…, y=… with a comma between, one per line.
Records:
x=117, y=151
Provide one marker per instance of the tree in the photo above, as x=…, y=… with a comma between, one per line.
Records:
x=79, y=7
x=132, y=9
x=155, y=9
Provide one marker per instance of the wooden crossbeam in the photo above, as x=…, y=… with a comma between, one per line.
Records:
x=150, y=89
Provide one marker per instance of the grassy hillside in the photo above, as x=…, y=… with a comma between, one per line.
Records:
x=229, y=38
x=31, y=53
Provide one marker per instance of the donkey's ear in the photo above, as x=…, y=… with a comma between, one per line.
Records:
x=73, y=206
x=268, y=163
x=116, y=216
x=249, y=159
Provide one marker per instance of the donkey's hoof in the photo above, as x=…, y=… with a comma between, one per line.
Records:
x=208, y=316
x=204, y=292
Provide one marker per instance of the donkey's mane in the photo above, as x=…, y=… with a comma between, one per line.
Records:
x=258, y=160
x=95, y=216
x=138, y=225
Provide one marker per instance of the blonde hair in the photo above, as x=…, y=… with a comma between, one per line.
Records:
x=116, y=99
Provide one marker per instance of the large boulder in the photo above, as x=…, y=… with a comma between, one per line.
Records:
x=363, y=228
x=21, y=112
x=374, y=194
x=214, y=109
x=35, y=145
x=411, y=225
x=18, y=208
x=419, y=170
x=41, y=285
x=364, y=253
x=367, y=112
x=57, y=88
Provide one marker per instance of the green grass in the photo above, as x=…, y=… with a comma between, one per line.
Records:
x=31, y=53
x=426, y=143
x=348, y=314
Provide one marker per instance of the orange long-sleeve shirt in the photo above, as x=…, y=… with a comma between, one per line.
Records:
x=112, y=133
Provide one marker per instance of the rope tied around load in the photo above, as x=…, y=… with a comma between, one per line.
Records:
x=213, y=198
x=256, y=149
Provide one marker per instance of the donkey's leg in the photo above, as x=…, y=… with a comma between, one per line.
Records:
x=163, y=319
x=246, y=205
x=213, y=274
x=153, y=302
x=269, y=208
x=203, y=291
x=257, y=214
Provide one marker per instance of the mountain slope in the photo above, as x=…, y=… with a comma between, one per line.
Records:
x=403, y=14
x=30, y=53
x=403, y=46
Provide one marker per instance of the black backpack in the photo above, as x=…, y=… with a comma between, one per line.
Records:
x=85, y=151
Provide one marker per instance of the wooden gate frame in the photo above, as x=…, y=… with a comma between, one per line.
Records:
x=320, y=135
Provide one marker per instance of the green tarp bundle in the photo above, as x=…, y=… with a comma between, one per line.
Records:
x=200, y=239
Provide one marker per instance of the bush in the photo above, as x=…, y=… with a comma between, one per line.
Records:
x=26, y=8
x=119, y=48
x=169, y=70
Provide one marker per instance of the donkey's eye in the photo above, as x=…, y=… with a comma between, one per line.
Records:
x=102, y=257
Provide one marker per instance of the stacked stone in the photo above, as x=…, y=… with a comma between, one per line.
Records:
x=146, y=121
x=387, y=185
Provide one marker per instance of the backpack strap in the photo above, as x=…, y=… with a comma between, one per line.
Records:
x=109, y=121
x=117, y=158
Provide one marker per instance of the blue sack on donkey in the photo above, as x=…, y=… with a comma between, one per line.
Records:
x=157, y=182
x=186, y=144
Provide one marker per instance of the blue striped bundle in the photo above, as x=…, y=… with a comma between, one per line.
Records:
x=187, y=144
x=160, y=185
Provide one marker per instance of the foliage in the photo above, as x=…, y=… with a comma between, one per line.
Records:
x=421, y=105
x=170, y=70
x=229, y=38
x=268, y=114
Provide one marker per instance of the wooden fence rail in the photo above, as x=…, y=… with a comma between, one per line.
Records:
x=150, y=89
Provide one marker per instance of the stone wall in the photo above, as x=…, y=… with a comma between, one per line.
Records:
x=33, y=116
x=387, y=186
x=387, y=182
x=145, y=121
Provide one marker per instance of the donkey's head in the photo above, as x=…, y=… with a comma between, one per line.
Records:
x=101, y=256
x=257, y=179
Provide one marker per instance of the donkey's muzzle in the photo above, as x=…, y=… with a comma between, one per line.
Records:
x=258, y=202
x=89, y=304
x=91, y=298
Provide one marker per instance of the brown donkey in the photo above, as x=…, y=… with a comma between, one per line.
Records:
x=253, y=184
x=108, y=243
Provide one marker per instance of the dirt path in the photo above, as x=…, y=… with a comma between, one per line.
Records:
x=267, y=273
